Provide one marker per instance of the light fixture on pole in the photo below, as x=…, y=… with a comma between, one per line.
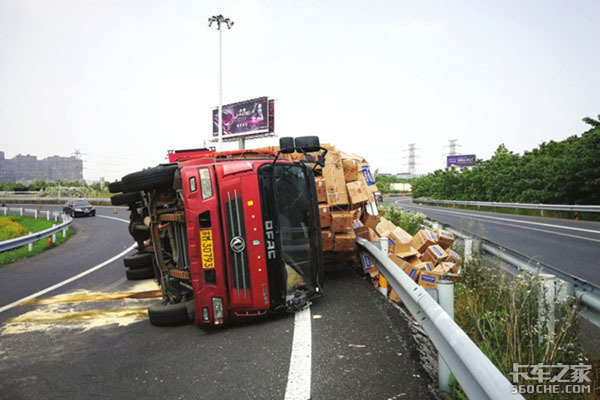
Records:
x=219, y=19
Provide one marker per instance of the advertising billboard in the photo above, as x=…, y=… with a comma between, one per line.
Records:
x=246, y=118
x=465, y=160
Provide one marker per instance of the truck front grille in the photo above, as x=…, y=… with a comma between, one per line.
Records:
x=238, y=250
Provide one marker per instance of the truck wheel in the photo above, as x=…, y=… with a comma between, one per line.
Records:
x=169, y=314
x=115, y=187
x=125, y=198
x=141, y=273
x=148, y=179
x=138, y=231
x=138, y=260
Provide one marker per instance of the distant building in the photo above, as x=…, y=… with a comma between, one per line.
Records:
x=26, y=169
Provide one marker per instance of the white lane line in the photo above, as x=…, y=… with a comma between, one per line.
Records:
x=507, y=219
x=299, y=376
x=67, y=281
x=115, y=218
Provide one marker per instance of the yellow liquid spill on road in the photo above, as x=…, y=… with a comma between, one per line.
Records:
x=60, y=312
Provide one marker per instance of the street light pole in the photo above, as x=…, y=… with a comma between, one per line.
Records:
x=219, y=19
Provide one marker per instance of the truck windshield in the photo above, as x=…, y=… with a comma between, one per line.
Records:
x=294, y=209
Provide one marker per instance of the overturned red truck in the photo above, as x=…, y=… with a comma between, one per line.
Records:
x=233, y=235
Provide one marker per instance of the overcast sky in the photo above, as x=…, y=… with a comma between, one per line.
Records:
x=124, y=81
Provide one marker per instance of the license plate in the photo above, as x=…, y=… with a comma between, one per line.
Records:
x=206, y=244
x=86, y=211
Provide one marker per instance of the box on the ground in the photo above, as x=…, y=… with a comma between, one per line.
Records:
x=454, y=257
x=366, y=233
x=400, y=236
x=341, y=221
x=427, y=279
x=449, y=267
x=393, y=296
x=413, y=260
x=344, y=241
x=372, y=220
x=445, y=238
x=328, y=239
x=384, y=227
x=325, y=215
x=404, y=250
x=366, y=262
x=321, y=189
x=356, y=193
x=435, y=254
x=399, y=261
x=423, y=239
x=350, y=169
x=424, y=266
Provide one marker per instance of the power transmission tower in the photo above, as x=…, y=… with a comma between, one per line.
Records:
x=412, y=159
x=452, y=147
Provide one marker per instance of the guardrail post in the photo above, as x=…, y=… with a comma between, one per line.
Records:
x=21, y=211
x=445, y=294
x=5, y=210
x=54, y=235
x=48, y=215
x=30, y=245
x=552, y=291
x=468, y=249
x=35, y=213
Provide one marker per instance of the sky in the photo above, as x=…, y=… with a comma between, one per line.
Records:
x=125, y=81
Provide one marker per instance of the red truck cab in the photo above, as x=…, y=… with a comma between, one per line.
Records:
x=237, y=234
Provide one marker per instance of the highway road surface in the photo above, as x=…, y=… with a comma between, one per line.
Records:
x=84, y=333
x=568, y=245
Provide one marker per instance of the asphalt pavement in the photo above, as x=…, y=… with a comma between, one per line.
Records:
x=568, y=245
x=90, y=338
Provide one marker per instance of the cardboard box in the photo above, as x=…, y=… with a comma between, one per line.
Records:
x=335, y=183
x=423, y=239
x=350, y=169
x=342, y=221
x=399, y=261
x=404, y=250
x=400, y=236
x=413, y=260
x=428, y=279
x=394, y=296
x=435, y=254
x=366, y=233
x=372, y=221
x=321, y=189
x=445, y=238
x=454, y=258
x=425, y=266
x=356, y=193
x=327, y=239
x=344, y=242
x=384, y=227
x=412, y=273
x=325, y=215
x=366, y=262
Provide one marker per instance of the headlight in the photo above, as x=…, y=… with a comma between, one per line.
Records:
x=217, y=310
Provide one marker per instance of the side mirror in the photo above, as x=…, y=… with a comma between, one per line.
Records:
x=286, y=145
x=307, y=144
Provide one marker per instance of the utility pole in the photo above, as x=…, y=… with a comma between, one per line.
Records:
x=219, y=19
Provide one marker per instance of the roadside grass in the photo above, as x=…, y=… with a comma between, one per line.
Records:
x=32, y=225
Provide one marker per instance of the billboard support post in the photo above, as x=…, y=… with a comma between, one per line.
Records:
x=219, y=19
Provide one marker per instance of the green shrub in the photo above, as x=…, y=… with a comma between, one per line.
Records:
x=409, y=221
x=9, y=229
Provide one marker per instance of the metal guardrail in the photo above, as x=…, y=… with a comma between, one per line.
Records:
x=548, y=207
x=54, y=199
x=478, y=377
x=586, y=293
x=25, y=240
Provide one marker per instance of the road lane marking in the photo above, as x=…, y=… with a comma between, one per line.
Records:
x=67, y=281
x=115, y=218
x=299, y=376
x=506, y=219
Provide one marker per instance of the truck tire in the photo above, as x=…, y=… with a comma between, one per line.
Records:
x=169, y=314
x=148, y=179
x=125, y=198
x=140, y=273
x=115, y=187
x=138, y=260
x=138, y=231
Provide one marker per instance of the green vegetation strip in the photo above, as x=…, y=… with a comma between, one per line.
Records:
x=499, y=313
x=29, y=225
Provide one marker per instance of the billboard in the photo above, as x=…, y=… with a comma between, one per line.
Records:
x=465, y=160
x=246, y=118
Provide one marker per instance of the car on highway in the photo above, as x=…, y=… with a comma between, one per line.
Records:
x=76, y=208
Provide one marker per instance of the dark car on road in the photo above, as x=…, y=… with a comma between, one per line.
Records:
x=79, y=208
